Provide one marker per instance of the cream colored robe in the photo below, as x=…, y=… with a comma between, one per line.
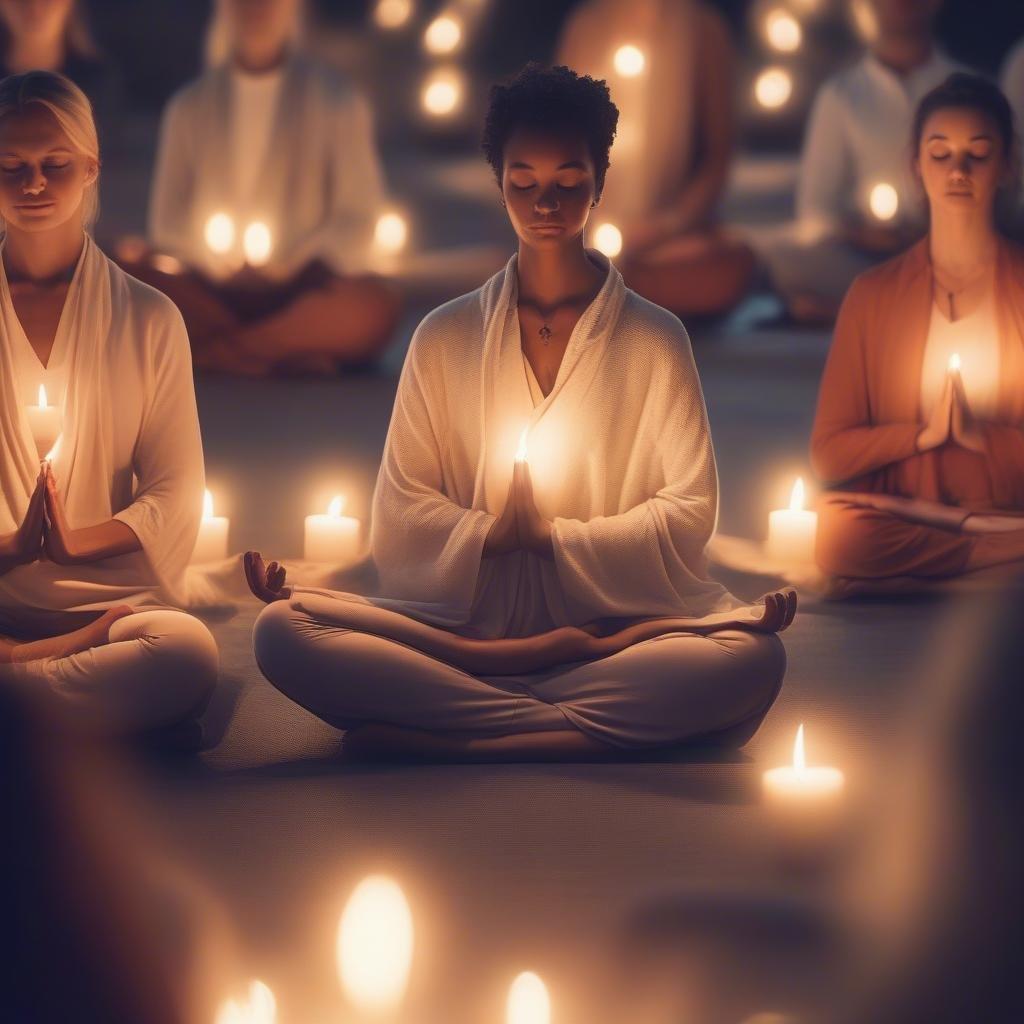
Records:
x=130, y=447
x=653, y=150
x=620, y=456
x=319, y=193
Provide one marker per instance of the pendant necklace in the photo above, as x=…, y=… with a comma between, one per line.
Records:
x=545, y=333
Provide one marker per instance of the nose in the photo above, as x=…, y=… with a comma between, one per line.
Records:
x=547, y=201
x=33, y=180
x=961, y=165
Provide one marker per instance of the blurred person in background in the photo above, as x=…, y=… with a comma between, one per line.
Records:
x=264, y=202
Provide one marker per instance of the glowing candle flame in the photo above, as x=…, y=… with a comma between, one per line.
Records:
x=528, y=1001
x=773, y=88
x=336, y=506
x=392, y=13
x=629, y=61
x=391, y=232
x=442, y=93
x=42, y=397
x=608, y=240
x=783, y=31
x=207, y=505
x=521, y=449
x=799, y=758
x=443, y=35
x=257, y=244
x=954, y=363
x=52, y=453
x=220, y=233
x=375, y=944
x=884, y=201
x=797, y=496
x=261, y=1007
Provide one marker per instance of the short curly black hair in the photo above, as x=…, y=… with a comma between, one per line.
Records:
x=551, y=99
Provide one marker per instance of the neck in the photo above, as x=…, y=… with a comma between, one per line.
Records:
x=257, y=60
x=903, y=54
x=33, y=54
x=43, y=256
x=548, y=277
x=962, y=244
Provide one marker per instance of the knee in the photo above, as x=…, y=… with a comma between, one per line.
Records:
x=187, y=654
x=849, y=541
x=275, y=641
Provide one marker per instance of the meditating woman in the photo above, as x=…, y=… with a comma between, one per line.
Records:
x=670, y=64
x=546, y=492
x=267, y=191
x=94, y=539
x=920, y=420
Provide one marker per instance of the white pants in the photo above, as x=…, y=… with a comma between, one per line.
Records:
x=159, y=667
x=676, y=687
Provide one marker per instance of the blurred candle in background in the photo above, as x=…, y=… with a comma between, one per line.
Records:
x=773, y=88
x=629, y=60
x=884, y=201
x=257, y=244
x=608, y=240
x=528, y=1001
x=792, y=531
x=212, y=541
x=219, y=233
x=333, y=537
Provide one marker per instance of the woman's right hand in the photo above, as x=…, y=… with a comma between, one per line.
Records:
x=940, y=424
x=265, y=581
x=26, y=543
x=503, y=535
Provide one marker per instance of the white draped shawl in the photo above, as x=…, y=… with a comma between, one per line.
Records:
x=620, y=456
x=319, y=191
x=130, y=447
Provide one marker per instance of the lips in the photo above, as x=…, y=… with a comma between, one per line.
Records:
x=547, y=227
x=35, y=206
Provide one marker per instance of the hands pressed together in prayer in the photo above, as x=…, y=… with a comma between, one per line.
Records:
x=520, y=527
x=952, y=421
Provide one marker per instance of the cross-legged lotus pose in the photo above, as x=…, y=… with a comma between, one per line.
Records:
x=94, y=540
x=675, y=92
x=920, y=417
x=266, y=192
x=554, y=604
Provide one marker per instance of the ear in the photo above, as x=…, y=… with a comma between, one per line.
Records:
x=92, y=173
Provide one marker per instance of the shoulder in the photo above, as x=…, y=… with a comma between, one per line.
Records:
x=844, y=86
x=331, y=84
x=652, y=332
x=191, y=96
x=152, y=312
x=451, y=329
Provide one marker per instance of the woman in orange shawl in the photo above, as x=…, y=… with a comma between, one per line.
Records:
x=920, y=419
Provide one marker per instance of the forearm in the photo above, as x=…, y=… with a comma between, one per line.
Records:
x=845, y=454
x=105, y=540
x=11, y=555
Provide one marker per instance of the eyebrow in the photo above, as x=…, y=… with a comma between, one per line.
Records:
x=974, y=138
x=572, y=165
x=50, y=152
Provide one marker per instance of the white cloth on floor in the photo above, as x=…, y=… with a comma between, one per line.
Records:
x=159, y=667
x=975, y=339
x=320, y=187
x=676, y=687
x=620, y=456
x=130, y=447
x=858, y=136
x=654, y=142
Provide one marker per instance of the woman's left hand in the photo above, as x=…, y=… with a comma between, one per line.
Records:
x=58, y=537
x=265, y=581
x=534, y=530
x=967, y=430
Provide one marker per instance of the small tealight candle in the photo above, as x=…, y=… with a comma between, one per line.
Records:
x=884, y=201
x=45, y=421
x=791, y=531
x=797, y=784
x=212, y=542
x=773, y=88
x=443, y=35
x=219, y=233
x=257, y=244
x=332, y=537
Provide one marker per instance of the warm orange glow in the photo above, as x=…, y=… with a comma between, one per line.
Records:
x=884, y=201
x=375, y=945
x=954, y=363
x=528, y=1001
x=42, y=397
x=336, y=507
x=442, y=93
x=260, y=1008
x=392, y=14
x=629, y=61
x=783, y=31
x=391, y=232
x=608, y=240
x=220, y=233
x=773, y=88
x=257, y=244
x=797, y=496
x=52, y=453
x=207, y=505
x=521, y=449
x=443, y=35
x=799, y=756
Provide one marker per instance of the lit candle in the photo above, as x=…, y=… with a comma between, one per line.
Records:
x=608, y=240
x=259, y=1008
x=791, y=531
x=212, y=542
x=257, y=244
x=629, y=61
x=374, y=947
x=955, y=365
x=783, y=31
x=442, y=93
x=528, y=1001
x=521, y=449
x=773, y=87
x=391, y=14
x=443, y=35
x=45, y=421
x=219, y=233
x=390, y=233
x=332, y=537
x=884, y=201
x=797, y=783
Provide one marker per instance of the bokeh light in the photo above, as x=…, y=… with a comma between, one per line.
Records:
x=773, y=88
x=608, y=240
x=629, y=60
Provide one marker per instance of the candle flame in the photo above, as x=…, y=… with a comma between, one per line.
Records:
x=442, y=92
x=521, y=449
x=207, y=505
x=52, y=453
x=261, y=1007
x=954, y=363
x=528, y=1001
x=375, y=944
x=391, y=232
x=257, y=244
x=629, y=60
x=773, y=88
x=797, y=496
x=799, y=757
x=443, y=34
x=220, y=233
x=392, y=13
x=783, y=31
x=42, y=397
x=884, y=201
x=336, y=507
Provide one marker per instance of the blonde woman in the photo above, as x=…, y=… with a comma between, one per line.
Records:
x=94, y=540
x=267, y=190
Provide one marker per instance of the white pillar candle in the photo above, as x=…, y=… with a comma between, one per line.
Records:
x=528, y=1000
x=797, y=785
x=212, y=542
x=791, y=531
x=45, y=421
x=332, y=537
